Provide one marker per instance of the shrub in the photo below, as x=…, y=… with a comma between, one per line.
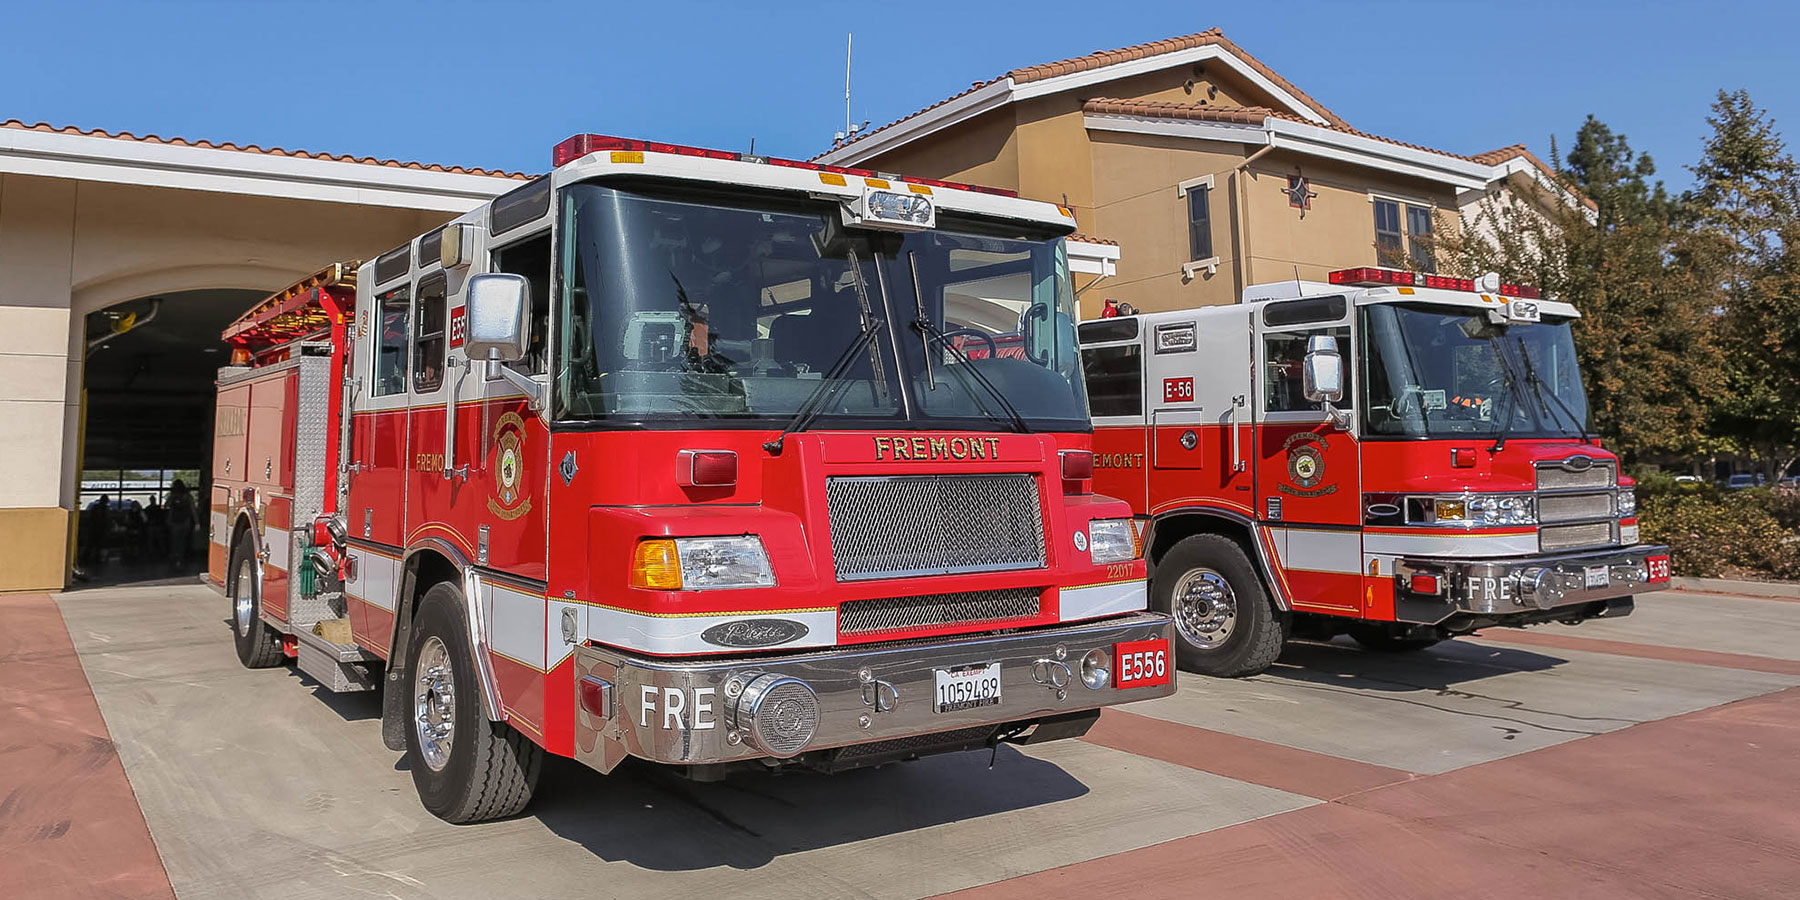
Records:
x=1745, y=533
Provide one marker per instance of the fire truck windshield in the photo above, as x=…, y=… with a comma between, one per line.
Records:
x=1441, y=371
x=680, y=303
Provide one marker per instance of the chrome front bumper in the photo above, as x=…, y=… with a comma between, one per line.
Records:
x=702, y=712
x=1501, y=587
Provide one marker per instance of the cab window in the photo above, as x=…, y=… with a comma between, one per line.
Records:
x=391, y=342
x=531, y=258
x=1284, y=356
x=428, y=341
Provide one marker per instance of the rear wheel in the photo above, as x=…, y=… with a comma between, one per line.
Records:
x=466, y=768
x=1225, y=623
x=1388, y=639
x=258, y=645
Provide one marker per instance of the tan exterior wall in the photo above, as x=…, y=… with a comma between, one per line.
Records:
x=1338, y=232
x=983, y=151
x=68, y=248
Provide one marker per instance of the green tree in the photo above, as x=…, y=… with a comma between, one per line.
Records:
x=1645, y=338
x=1744, y=236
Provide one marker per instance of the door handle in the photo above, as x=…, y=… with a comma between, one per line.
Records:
x=1237, y=455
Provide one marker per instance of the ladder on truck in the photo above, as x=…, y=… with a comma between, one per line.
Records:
x=304, y=328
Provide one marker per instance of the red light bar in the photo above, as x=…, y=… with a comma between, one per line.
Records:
x=1371, y=275
x=1446, y=283
x=581, y=145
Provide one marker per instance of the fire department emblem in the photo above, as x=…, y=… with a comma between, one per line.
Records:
x=508, y=501
x=1306, y=466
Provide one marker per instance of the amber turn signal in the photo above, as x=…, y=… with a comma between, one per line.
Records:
x=656, y=566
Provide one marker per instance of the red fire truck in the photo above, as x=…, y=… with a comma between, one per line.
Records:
x=1401, y=457
x=679, y=454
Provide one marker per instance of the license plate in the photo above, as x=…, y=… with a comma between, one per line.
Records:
x=968, y=687
x=1598, y=576
x=1142, y=664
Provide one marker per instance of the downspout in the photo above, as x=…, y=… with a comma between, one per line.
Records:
x=1241, y=234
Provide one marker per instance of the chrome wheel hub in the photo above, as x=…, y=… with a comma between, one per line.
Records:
x=242, y=605
x=1205, y=608
x=434, y=704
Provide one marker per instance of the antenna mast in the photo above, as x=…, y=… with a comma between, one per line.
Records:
x=847, y=39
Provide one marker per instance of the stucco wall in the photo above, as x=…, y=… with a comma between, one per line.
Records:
x=68, y=248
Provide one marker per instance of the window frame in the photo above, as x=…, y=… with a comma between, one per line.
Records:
x=1390, y=256
x=1185, y=190
x=1414, y=249
x=438, y=281
x=1135, y=349
x=380, y=303
x=551, y=280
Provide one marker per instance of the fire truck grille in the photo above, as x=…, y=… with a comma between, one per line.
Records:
x=886, y=527
x=892, y=613
x=1573, y=537
x=1569, y=507
x=1552, y=477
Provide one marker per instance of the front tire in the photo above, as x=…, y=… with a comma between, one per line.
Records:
x=258, y=645
x=465, y=767
x=1225, y=624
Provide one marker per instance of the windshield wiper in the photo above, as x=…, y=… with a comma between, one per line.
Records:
x=1542, y=390
x=1513, y=395
x=828, y=388
x=929, y=332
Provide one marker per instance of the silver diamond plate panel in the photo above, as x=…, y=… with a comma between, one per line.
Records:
x=1569, y=507
x=1571, y=537
x=1551, y=477
x=892, y=613
x=315, y=426
x=884, y=527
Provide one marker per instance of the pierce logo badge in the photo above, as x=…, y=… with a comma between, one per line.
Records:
x=754, y=633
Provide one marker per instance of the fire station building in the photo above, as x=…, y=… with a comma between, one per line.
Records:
x=1202, y=168
x=121, y=259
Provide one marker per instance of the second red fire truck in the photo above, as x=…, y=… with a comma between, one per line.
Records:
x=703, y=458
x=1397, y=456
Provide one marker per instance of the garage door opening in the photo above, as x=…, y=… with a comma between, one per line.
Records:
x=146, y=447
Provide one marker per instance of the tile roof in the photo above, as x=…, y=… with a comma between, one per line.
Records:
x=1090, y=239
x=19, y=125
x=1518, y=151
x=1102, y=58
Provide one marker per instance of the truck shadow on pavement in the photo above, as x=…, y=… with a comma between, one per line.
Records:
x=645, y=816
x=1443, y=667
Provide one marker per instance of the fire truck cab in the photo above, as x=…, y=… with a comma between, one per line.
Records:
x=1396, y=456
x=709, y=459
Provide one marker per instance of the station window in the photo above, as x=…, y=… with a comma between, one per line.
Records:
x=1387, y=233
x=391, y=342
x=1115, y=380
x=1284, y=355
x=428, y=341
x=1200, y=245
x=531, y=258
x=1418, y=238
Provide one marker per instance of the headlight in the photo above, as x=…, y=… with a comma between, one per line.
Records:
x=698, y=564
x=1627, y=504
x=1473, y=510
x=1111, y=541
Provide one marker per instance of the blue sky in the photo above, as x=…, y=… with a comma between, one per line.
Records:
x=498, y=84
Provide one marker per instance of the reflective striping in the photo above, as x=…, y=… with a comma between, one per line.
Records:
x=1309, y=550
x=515, y=624
x=1095, y=600
x=1451, y=544
x=373, y=578
x=280, y=544
x=673, y=636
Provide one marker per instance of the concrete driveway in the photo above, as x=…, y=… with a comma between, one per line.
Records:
x=1657, y=755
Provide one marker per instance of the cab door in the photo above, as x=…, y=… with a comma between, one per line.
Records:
x=1308, y=462
x=1112, y=365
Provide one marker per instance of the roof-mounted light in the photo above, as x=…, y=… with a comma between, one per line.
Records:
x=581, y=145
x=1371, y=276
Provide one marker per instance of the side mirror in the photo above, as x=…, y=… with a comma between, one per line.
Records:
x=499, y=317
x=1324, y=370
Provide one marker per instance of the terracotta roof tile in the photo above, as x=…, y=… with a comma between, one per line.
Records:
x=1164, y=109
x=19, y=125
x=1102, y=58
x=1090, y=239
x=1516, y=151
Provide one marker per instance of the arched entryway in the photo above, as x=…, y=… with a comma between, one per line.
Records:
x=147, y=402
